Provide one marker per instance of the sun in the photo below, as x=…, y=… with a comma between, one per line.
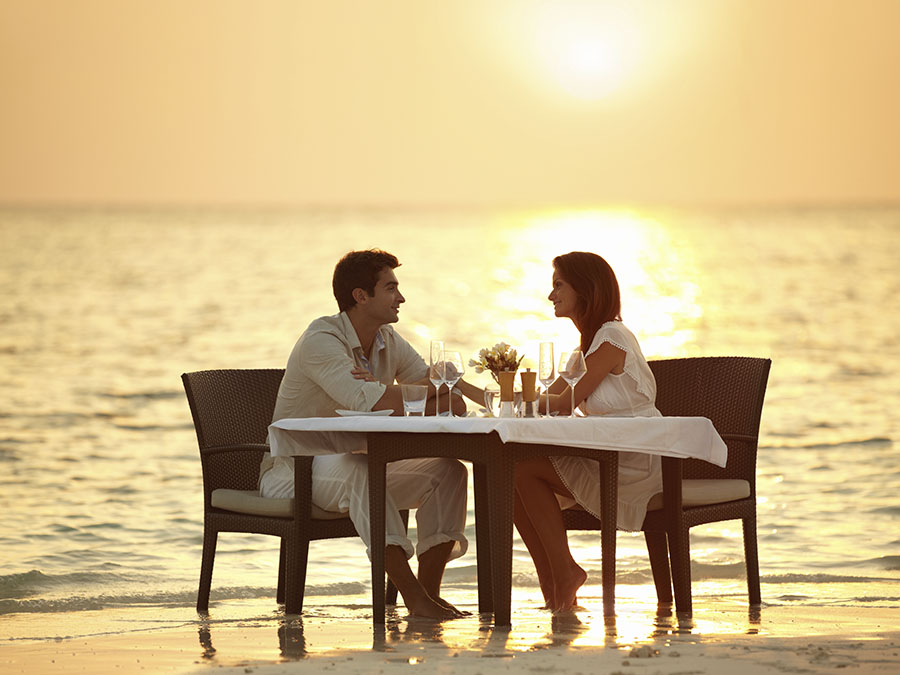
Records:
x=588, y=49
x=584, y=49
x=588, y=69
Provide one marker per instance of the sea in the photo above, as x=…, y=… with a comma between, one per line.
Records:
x=103, y=309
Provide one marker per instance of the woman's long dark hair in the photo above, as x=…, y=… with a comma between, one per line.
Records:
x=597, y=289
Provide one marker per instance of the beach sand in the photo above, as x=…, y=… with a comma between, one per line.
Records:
x=251, y=636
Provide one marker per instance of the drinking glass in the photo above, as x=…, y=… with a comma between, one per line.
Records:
x=518, y=403
x=436, y=371
x=414, y=397
x=454, y=368
x=546, y=370
x=492, y=401
x=572, y=368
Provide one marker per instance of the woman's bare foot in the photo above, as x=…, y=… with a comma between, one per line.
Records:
x=567, y=589
x=548, y=596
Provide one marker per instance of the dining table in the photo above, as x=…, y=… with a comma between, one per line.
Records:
x=494, y=445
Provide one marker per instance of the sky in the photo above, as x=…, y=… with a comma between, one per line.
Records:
x=449, y=102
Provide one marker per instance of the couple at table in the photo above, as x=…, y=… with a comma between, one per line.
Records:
x=354, y=359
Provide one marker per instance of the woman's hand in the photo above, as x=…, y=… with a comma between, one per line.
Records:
x=361, y=373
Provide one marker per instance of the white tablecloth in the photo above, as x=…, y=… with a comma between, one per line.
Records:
x=687, y=437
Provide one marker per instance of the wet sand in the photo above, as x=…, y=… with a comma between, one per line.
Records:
x=252, y=636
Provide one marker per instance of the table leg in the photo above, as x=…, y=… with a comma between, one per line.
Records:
x=609, y=471
x=377, y=490
x=483, y=538
x=500, y=479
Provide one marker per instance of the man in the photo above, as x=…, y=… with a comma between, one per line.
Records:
x=351, y=361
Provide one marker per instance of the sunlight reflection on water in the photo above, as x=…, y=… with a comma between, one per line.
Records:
x=102, y=311
x=508, y=277
x=656, y=297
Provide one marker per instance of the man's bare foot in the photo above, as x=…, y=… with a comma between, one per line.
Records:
x=567, y=589
x=447, y=605
x=425, y=607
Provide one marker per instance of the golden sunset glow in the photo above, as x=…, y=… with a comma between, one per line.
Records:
x=178, y=181
x=508, y=102
x=589, y=50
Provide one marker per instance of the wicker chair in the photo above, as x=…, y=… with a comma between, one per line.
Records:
x=730, y=392
x=232, y=410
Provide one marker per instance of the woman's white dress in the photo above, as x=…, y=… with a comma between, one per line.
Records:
x=629, y=394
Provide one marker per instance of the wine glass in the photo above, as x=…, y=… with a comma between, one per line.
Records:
x=436, y=371
x=572, y=368
x=454, y=368
x=546, y=370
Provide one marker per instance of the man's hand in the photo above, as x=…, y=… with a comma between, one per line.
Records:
x=361, y=373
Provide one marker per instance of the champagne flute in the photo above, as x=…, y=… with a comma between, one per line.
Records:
x=454, y=367
x=436, y=371
x=572, y=368
x=546, y=370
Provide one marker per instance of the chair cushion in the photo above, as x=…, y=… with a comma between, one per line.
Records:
x=699, y=492
x=249, y=501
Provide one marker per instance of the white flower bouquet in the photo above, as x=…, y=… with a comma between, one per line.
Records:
x=498, y=358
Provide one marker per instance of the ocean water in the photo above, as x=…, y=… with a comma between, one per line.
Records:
x=102, y=310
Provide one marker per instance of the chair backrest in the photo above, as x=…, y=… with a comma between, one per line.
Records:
x=729, y=390
x=231, y=408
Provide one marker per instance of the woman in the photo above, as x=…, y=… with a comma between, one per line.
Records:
x=618, y=382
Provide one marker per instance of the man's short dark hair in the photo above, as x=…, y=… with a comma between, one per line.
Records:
x=359, y=269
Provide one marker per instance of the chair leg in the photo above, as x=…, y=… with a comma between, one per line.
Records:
x=658, y=550
x=296, y=557
x=206, y=568
x=279, y=595
x=751, y=560
x=680, y=559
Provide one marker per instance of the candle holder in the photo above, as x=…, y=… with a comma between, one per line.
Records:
x=507, y=379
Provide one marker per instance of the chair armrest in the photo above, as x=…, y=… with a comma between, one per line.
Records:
x=234, y=467
x=260, y=447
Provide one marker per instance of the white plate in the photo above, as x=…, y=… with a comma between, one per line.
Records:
x=355, y=413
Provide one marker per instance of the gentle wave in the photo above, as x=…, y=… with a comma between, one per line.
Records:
x=152, y=427
x=821, y=579
x=80, y=603
x=875, y=440
x=148, y=395
x=885, y=562
x=24, y=584
x=17, y=604
x=735, y=570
